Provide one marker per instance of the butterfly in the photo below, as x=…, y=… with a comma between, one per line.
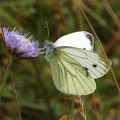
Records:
x=73, y=63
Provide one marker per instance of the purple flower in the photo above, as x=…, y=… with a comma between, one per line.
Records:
x=20, y=44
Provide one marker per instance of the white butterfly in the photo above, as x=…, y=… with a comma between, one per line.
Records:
x=74, y=64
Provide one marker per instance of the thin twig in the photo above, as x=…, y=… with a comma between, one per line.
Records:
x=78, y=3
x=16, y=97
x=5, y=77
x=1, y=32
x=81, y=108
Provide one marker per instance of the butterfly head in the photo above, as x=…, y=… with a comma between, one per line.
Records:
x=49, y=49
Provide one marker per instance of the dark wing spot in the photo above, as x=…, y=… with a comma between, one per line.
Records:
x=87, y=73
x=86, y=68
x=91, y=43
x=94, y=65
x=90, y=37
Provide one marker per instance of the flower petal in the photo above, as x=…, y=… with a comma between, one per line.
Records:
x=18, y=44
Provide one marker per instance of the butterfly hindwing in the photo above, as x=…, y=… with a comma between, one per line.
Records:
x=69, y=75
x=96, y=65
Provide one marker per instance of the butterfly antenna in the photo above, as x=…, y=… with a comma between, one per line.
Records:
x=47, y=27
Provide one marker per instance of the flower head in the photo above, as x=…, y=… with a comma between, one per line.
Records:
x=19, y=44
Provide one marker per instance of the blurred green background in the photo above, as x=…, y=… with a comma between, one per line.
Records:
x=37, y=95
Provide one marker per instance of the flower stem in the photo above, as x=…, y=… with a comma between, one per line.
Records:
x=16, y=98
x=6, y=75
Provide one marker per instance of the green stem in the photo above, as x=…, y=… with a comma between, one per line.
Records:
x=6, y=75
x=16, y=98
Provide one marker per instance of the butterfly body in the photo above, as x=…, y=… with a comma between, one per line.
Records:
x=73, y=63
x=50, y=49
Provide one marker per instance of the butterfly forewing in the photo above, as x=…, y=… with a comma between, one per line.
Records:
x=69, y=76
x=83, y=40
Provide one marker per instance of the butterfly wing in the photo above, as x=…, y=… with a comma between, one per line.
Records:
x=96, y=65
x=70, y=76
x=83, y=40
